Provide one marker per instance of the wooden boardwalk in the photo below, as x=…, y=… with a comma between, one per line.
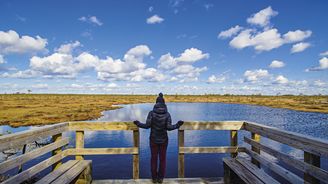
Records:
x=236, y=168
x=166, y=180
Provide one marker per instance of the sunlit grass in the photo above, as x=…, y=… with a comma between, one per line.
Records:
x=35, y=109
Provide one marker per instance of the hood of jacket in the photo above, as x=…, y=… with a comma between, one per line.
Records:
x=160, y=108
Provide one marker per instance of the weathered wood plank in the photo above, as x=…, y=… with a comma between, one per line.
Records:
x=56, y=138
x=256, y=138
x=289, y=176
x=52, y=176
x=73, y=172
x=103, y=151
x=79, y=143
x=221, y=149
x=298, y=164
x=101, y=126
x=29, y=173
x=313, y=160
x=136, y=155
x=181, y=155
x=234, y=141
x=166, y=181
x=21, y=159
x=18, y=139
x=257, y=172
x=241, y=171
x=223, y=125
x=306, y=143
x=227, y=175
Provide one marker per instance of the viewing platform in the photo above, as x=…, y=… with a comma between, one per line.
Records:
x=247, y=163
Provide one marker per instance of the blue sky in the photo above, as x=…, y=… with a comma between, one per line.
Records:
x=174, y=46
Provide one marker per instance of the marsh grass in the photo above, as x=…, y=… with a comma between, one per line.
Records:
x=37, y=109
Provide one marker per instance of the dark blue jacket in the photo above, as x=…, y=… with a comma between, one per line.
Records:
x=159, y=120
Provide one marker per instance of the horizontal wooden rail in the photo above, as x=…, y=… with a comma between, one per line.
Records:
x=298, y=164
x=19, y=139
x=101, y=126
x=29, y=173
x=289, y=176
x=21, y=159
x=222, y=149
x=306, y=143
x=103, y=151
x=215, y=125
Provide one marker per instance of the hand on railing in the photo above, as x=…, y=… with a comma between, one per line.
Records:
x=136, y=122
x=180, y=123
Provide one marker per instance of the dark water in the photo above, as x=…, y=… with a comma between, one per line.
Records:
x=196, y=165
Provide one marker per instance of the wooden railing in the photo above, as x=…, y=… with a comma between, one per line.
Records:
x=233, y=126
x=313, y=148
x=80, y=151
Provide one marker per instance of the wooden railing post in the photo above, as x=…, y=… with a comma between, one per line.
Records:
x=181, y=155
x=313, y=160
x=257, y=138
x=234, y=141
x=136, y=143
x=79, y=143
x=56, y=138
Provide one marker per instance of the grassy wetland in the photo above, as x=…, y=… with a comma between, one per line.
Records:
x=38, y=109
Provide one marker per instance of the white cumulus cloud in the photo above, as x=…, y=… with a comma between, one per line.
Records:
x=277, y=64
x=230, y=32
x=262, y=41
x=265, y=37
x=11, y=42
x=155, y=19
x=262, y=18
x=216, y=79
x=324, y=53
x=91, y=20
x=255, y=75
x=67, y=48
x=280, y=79
x=299, y=47
x=2, y=60
x=323, y=65
x=192, y=55
x=296, y=36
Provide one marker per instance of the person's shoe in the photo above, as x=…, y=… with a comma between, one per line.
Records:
x=160, y=180
x=154, y=180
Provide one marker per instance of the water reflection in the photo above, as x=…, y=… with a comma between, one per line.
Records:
x=204, y=165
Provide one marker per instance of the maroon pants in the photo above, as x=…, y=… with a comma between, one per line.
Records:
x=158, y=151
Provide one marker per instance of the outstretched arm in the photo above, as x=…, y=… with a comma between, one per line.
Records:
x=169, y=125
x=147, y=124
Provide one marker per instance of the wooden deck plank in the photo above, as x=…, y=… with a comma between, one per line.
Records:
x=73, y=172
x=166, y=180
x=257, y=172
x=242, y=172
x=298, y=164
x=29, y=173
x=58, y=172
x=289, y=176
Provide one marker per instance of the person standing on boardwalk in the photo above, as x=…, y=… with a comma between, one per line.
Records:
x=159, y=121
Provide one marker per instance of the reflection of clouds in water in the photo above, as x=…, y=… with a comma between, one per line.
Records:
x=93, y=136
x=127, y=113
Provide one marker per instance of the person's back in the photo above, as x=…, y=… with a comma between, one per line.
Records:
x=159, y=118
x=159, y=121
